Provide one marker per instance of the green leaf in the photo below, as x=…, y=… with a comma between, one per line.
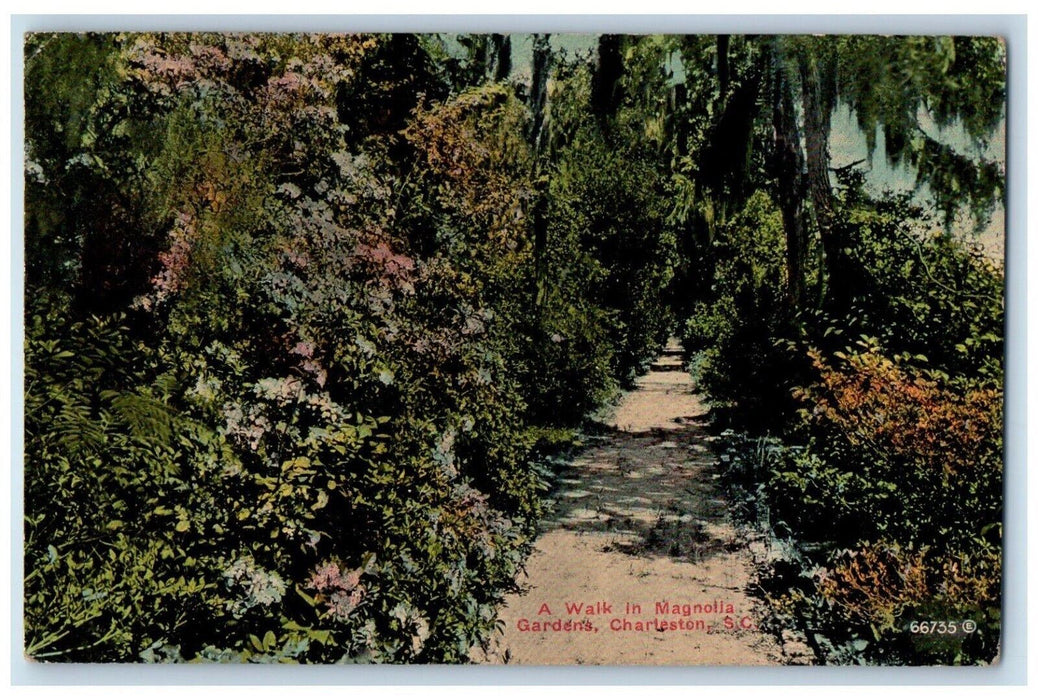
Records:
x=305, y=596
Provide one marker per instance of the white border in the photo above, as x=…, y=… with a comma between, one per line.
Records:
x=1018, y=386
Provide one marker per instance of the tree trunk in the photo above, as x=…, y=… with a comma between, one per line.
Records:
x=538, y=103
x=539, y=88
x=500, y=57
x=605, y=84
x=723, y=41
x=788, y=169
x=818, y=105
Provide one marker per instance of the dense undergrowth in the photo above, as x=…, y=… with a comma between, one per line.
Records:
x=873, y=456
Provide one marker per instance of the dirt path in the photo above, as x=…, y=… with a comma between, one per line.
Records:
x=638, y=538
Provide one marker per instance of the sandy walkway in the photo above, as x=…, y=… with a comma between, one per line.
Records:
x=637, y=563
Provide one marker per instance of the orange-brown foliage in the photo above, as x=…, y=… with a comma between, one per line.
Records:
x=875, y=583
x=875, y=403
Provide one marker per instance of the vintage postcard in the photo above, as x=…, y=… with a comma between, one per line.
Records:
x=525, y=349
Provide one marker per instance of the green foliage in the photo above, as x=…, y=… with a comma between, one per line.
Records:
x=110, y=464
x=310, y=317
x=953, y=81
x=736, y=330
x=890, y=506
x=93, y=239
x=918, y=291
x=609, y=207
x=608, y=230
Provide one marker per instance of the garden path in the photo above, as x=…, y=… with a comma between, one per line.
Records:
x=638, y=529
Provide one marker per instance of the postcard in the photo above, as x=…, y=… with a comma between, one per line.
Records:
x=526, y=349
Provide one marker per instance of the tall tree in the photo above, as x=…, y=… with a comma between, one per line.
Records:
x=817, y=90
x=915, y=90
x=787, y=165
x=500, y=57
x=542, y=60
x=606, y=91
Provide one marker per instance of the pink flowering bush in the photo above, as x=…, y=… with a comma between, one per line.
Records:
x=306, y=440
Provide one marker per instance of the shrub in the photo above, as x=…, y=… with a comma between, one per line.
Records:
x=304, y=442
x=894, y=507
x=607, y=222
x=737, y=332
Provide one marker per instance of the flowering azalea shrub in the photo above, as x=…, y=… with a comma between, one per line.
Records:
x=295, y=416
x=875, y=584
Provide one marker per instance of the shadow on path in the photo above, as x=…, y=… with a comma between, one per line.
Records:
x=638, y=525
x=648, y=476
